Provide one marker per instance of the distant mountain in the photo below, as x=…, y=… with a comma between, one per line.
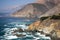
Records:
x=53, y=11
x=34, y=10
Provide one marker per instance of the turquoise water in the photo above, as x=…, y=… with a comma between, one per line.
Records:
x=9, y=24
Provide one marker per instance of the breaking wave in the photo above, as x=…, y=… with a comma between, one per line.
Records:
x=9, y=35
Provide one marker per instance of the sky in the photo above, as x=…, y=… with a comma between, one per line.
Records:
x=7, y=6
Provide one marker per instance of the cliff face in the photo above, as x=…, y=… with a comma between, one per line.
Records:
x=53, y=11
x=50, y=26
x=24, y=12
x=33, y=10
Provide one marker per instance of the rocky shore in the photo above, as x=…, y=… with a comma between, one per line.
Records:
x=50, y=26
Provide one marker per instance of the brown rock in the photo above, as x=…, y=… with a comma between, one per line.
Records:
x=47, y=26
x=34, y=25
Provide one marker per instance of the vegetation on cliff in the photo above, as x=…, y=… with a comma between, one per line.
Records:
x=48, y=25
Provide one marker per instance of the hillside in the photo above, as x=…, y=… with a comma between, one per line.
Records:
x=53, y=11
x=49, y=26
x=33, y=10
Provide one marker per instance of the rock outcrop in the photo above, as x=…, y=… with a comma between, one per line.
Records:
x=34, y=25
x=50, y=26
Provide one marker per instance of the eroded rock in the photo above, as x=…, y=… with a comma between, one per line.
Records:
x=49, y=26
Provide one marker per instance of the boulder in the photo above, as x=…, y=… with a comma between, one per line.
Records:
x=18, y=30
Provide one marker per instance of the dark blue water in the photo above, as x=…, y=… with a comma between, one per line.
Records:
x=9, y=23
x=4, y=22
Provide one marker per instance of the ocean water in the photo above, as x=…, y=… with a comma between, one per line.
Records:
x=9, y=24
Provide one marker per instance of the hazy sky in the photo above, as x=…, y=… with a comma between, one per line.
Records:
x=9, y=5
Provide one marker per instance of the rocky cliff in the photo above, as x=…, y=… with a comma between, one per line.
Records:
x=33, y=10
x=50, y=25
x=53, y=11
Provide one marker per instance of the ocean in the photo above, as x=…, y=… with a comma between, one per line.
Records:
x=9, y=24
